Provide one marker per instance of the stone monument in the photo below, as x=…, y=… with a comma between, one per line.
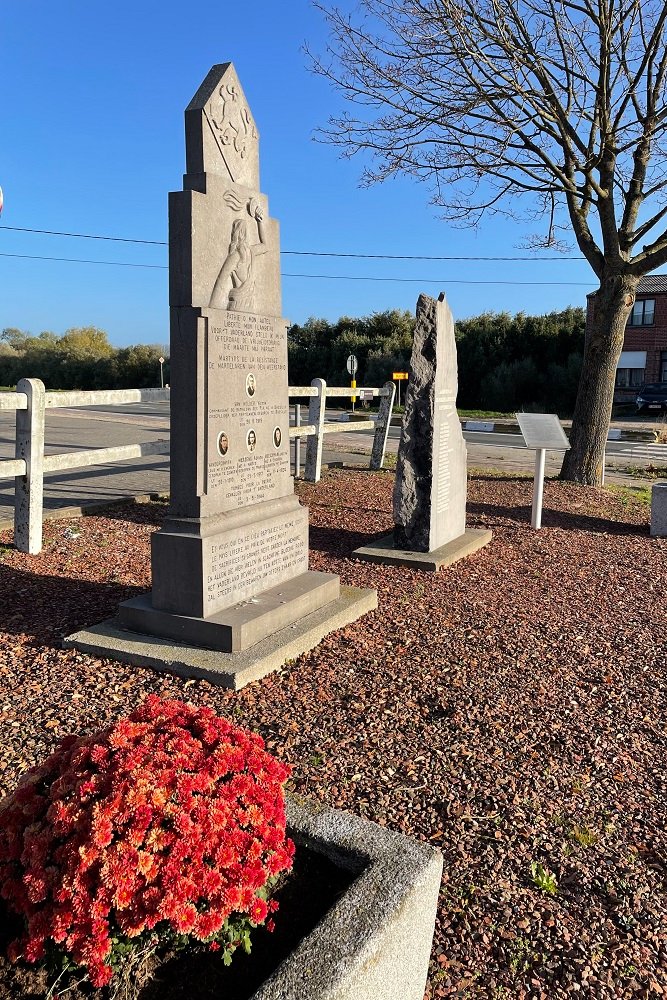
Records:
x=430, y=489
x=230, y=564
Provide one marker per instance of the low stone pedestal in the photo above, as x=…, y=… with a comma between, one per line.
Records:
x=385, y=551
x=659, y=510
x=232, y=670
x=241, y=626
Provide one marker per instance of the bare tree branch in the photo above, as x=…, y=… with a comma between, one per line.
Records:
x=557, y=104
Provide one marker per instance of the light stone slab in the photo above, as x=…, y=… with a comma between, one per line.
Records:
x=385, y=551
x=230, y=670
x=382, y=426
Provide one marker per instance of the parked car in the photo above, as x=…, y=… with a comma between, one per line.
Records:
x=652, y=396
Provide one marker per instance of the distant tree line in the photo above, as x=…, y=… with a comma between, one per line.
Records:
x=509, y=363
x=382, y=343
x=81, y=358
x=505, y=362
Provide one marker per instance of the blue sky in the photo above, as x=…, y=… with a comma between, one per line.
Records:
x=92, y=141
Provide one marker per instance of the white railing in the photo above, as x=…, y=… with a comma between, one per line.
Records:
x=318, y=392
x=30, y=463
x=31, y=400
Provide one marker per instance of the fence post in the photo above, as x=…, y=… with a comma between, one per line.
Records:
x=297, y=441
x=316, y=411
x=382, y=426
x=29, y=490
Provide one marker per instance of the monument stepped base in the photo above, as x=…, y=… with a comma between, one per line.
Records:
x=384, y=551
x=231, y=670
x=240, y=626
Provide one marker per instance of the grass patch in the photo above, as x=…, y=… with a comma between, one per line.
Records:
x=630, y=494
x=485, y=414
x=583, y=835
x=499, y=473
x=644, y=472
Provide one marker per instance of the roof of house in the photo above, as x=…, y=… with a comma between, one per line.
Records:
x=649, y=285
x=652, y=283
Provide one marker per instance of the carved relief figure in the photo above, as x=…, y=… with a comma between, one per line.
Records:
x=232, y=119
x=235, y=285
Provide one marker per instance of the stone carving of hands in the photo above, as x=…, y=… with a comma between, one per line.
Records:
x=255, y=210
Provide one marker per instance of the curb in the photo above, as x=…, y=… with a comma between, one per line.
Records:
x=512, y=427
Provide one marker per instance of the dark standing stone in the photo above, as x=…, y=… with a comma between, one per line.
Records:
x=430, y=490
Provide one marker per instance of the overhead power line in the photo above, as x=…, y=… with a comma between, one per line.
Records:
x=294, y=253
x=85, y=236
x=331, y=277
x=78, y=260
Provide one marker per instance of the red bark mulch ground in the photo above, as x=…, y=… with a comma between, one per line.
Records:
x=511, y=710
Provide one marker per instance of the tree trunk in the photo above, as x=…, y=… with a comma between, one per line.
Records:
x=583, y=463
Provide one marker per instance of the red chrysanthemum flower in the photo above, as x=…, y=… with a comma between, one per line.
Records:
x=172, y=819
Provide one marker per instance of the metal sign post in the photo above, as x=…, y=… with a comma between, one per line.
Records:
x=399, y=377
x=352, y=366
x=541, y=431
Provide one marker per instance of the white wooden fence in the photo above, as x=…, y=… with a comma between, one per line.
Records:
x=31, y=400
x=317, y=393
x=30, y=463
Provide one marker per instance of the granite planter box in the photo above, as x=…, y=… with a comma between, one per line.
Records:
x=375, y=941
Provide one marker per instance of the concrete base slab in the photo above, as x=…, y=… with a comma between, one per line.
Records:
x=384, y=551
x=241, y=626
x=232, y=670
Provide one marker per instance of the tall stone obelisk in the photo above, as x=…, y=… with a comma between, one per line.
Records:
x=232, y=595
x=230, y=564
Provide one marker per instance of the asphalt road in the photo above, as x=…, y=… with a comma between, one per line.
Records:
x=72, y=429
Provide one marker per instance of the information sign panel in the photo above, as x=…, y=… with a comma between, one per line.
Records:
x=542, y=430
x=399, y=376
x=352, y=364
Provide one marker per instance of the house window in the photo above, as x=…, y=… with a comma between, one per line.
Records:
x=643, y=312
x=663, y=366
x=629, y=378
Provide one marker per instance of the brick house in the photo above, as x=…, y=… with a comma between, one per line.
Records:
x=644, y=356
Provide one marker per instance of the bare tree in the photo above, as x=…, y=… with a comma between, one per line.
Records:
x=492, y=102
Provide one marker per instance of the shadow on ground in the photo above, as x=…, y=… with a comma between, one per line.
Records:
x=46, y=608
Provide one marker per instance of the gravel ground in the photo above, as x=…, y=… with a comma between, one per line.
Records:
x=510, y=710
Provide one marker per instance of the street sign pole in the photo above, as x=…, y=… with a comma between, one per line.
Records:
x=352, y=366
x=399, y=377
